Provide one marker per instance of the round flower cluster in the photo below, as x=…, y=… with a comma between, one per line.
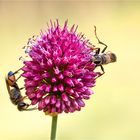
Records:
x=60, y=73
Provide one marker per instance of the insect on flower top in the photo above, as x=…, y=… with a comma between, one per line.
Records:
x=60, y=73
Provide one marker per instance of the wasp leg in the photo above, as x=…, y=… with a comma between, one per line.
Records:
x=102, y=68
x=99, y=73
x=97, y=50
x=31, y=109
x=16, y=71
x=24, y=98
x=21, y=88
x=17, y=78
x=100, y=41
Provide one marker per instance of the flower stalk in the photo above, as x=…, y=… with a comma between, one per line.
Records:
x=54, y=127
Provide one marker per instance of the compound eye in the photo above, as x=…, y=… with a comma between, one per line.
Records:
x=10, y=73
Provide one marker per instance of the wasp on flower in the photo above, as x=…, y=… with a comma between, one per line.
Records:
x=15, y=92
x=102, y=58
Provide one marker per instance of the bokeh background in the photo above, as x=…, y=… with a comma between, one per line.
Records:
x=113, y=112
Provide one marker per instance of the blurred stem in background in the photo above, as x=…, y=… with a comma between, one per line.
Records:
x=54, y=127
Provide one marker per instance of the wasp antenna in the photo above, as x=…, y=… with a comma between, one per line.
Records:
x=100, y=41
x=21, y=88
x=16, y=71
x=96, y=34
x=95, y=28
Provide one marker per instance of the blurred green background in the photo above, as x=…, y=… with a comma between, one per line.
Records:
x=113, y=112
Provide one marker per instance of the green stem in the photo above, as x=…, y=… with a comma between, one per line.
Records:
x=54, y=126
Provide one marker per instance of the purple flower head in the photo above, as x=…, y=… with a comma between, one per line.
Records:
x=59, y=74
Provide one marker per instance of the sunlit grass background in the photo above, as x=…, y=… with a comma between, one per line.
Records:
x=113, y=112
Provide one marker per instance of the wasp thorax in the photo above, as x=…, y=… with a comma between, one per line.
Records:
x=97, y=59
x=104, y=58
